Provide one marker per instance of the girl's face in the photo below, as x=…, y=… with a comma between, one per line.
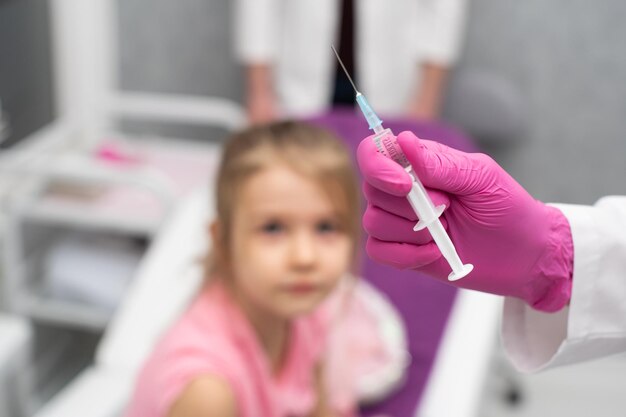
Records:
x=288, y=249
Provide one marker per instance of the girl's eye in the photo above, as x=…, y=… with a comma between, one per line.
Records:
x=327, y=227
x=272, y=228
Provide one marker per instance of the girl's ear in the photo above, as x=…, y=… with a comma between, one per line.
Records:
x=214, y=231
x=218, y=251
x=217, y=238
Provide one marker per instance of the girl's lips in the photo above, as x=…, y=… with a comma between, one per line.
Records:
x=301, y=288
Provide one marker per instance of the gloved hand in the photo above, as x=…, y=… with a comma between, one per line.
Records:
x=519, y=246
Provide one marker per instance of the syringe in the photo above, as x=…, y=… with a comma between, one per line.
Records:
x=418, y=198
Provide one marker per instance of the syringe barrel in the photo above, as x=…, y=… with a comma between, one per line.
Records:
x=421, y=202
x=387, y=144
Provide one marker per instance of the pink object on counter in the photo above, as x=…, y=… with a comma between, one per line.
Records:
x=114, y=153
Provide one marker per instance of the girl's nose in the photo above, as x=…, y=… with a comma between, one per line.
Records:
x=303, y=250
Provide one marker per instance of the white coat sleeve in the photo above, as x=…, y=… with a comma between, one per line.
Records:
x=439, y=30
x=256, y=25
x=594, y=323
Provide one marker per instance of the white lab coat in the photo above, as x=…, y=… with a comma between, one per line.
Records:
x=594, y=324
x=392, y=37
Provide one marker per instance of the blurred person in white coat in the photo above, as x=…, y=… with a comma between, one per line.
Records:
x=399, y=52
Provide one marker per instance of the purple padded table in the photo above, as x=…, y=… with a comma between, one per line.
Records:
x=423, y=302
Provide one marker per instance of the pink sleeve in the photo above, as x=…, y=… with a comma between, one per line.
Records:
x=176, y=376
x=166, y=376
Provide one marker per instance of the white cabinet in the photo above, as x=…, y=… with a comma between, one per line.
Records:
x=76, y=224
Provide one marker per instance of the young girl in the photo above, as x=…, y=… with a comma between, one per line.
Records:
x=251, y=343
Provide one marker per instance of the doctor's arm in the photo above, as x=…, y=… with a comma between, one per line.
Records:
x=256, y=42
x=439, y=26
x=260, y=94
x=426, y=103
x=593, y=325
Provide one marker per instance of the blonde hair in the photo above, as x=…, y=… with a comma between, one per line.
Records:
x=310, y=151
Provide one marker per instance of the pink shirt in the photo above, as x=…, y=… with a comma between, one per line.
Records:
x=213, y=337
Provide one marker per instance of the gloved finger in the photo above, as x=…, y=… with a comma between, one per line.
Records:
x=388, y=227
x=444, y=168
x=380, y=171
x=393, y=204
x=399, y=205
x=402, y=255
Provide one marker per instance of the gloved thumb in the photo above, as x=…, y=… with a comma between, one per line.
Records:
x=441, y=167
x=380, y=171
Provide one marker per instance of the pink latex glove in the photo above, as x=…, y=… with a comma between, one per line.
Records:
x=519, y=246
